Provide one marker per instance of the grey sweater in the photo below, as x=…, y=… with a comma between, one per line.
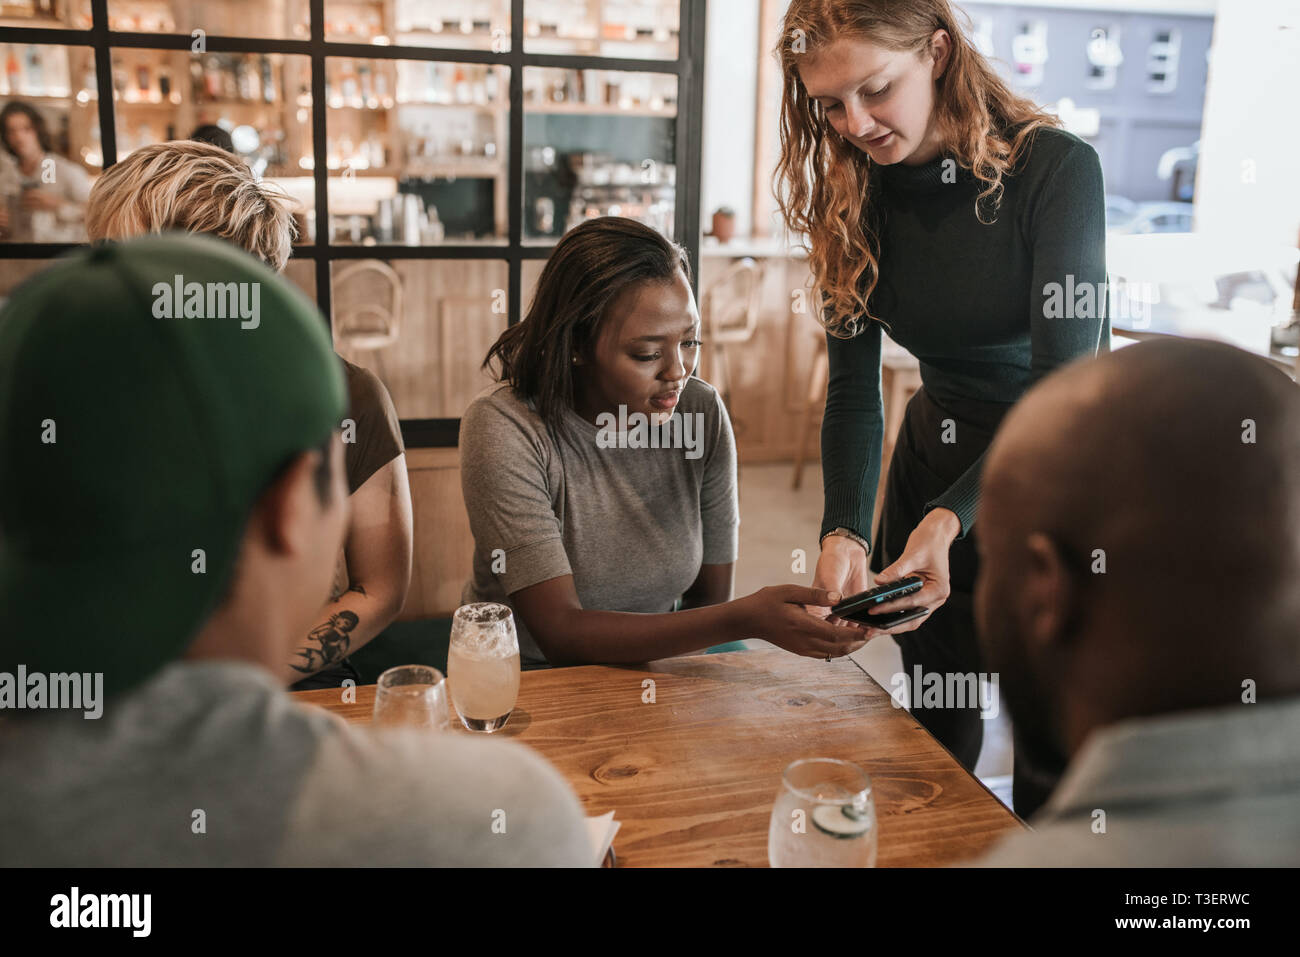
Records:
x=211, y=764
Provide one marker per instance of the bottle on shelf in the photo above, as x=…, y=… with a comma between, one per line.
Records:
x=211, y=77
x=229, y=81
x=34, y=79
x=348, y=83
x=13, y=73
x=366, y=89
x=268, y=81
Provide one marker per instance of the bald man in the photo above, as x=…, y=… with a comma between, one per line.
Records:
x=1139, y=595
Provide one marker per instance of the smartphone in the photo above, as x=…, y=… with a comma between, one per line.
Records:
x=857, y=607
x=890, y=619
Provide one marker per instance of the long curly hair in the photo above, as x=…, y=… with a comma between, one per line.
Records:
x=821, y=181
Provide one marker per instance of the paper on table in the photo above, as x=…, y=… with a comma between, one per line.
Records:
x=601, y=830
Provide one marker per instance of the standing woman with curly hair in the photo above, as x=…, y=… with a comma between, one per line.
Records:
x=942, y=208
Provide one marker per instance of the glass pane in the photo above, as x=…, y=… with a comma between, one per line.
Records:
x=46, y=14
x=15, y=272
x=263, y=100
x=597, y=143
x=530, y=273
x=221, y=18
x=422, y=326
x=453, y=24
x=302, y=273
x=52, y=143
x=417, y=151
x=641, y=29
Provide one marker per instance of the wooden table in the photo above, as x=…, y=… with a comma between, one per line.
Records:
x=693, y=775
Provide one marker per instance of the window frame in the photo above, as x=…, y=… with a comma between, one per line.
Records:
x=687, y=147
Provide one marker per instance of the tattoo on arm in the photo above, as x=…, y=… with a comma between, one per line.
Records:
x=328, y=643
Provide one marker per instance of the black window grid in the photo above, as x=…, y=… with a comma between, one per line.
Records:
x=687, y=147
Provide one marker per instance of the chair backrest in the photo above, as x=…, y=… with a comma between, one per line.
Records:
x=730, y=306
x=367, y=302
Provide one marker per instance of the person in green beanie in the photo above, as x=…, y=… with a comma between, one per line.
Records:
x=171, y=504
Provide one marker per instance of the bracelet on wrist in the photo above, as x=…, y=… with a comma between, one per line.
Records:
x=849, y=534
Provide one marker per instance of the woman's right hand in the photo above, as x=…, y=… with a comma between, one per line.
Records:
x=786, y=615
x=842, y=567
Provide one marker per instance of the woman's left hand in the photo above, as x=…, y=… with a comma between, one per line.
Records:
x=925, y=557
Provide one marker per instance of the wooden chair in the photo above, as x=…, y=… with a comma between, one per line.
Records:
x=367, y=310
x=729, y=311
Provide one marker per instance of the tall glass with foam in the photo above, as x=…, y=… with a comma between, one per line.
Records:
x=483, y=665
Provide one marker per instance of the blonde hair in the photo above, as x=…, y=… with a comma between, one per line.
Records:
x=821, y=179
x=192, y=187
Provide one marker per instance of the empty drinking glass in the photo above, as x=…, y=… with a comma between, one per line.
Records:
x=412, y=696
x=824, y=816
x=483, y=665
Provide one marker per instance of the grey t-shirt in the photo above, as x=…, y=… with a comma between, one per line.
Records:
x=211, y=764
x=632, y=525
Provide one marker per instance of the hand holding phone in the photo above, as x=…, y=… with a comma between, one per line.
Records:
x=858, y=607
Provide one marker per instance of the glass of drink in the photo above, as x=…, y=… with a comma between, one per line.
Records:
x=824, y=816
x=483, y=665
x=412, y=696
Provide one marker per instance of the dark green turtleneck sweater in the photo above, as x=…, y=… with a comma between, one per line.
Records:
x=973, y=302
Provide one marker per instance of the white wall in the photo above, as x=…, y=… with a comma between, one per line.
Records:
x=1125, y=6
x=730, y=85
x=1247, y=184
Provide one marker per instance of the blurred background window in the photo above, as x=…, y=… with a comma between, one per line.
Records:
x=449, y=165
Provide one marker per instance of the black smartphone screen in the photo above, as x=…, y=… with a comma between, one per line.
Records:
x=859, y=604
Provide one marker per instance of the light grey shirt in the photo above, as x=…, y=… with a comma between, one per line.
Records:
x=68, y=181
x=212, y=764
x=632, y=525
x=1214, y=788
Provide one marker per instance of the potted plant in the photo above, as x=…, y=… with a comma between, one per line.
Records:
x=724, y=224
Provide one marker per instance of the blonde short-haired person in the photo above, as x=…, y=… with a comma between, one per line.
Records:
x=195, y=187
x=192, y=187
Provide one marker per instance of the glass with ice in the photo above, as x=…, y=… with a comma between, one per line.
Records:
x=411, y=696
x=824, y=816
x=483, y=665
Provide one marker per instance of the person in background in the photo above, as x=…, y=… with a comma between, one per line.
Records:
x=171, y=518
x=199, y=188
x=942, y=208
x=592, y=536
x=214, y=135
x=42, y=194
x=1137, y=594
